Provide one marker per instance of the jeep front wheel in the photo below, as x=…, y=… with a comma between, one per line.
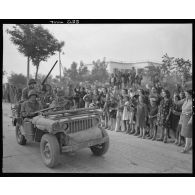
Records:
x=100, y=149
x=19, y=137
x=50, y=150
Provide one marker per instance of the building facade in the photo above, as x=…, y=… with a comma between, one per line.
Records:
x=112, y=66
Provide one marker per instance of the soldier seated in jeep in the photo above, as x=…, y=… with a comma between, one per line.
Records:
x=31, y=105
x=61, y=102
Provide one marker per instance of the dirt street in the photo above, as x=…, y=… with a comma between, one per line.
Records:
x=127, y=154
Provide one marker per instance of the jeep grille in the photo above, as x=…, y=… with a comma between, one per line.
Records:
x=80, y=125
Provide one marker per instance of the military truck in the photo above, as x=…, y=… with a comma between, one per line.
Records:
x=62, y=131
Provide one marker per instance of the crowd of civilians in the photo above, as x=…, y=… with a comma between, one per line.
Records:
x=150, y=113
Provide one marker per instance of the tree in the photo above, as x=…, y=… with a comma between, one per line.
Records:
x=153, y=72
x=82, y=72
x=183, y=69
x=34, y=42
x=22, y=37
x=99, y=71
x=72, y=72
x=18, y=80
x=167, y=65
x=45, y=45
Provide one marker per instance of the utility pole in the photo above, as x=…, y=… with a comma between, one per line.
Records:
x=28, y=69
x=60, y=67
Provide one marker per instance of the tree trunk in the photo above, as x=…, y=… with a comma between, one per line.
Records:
x=28, y=68
x=37, y=68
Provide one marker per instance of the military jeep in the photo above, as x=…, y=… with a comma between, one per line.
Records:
x=63, y=131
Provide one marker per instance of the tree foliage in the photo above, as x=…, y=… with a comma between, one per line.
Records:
x=183, y=68
x=76, y=74
x=174, y=69
x=18, y=80
x=34, y=42
x=83, y=72
x=99, y=71
x=73, y=72
x=153, y=72
x=60, y=45
x=167, y=65
x=22, y=36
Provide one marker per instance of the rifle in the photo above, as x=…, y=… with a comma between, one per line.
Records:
x=46, y=109
x=43, y=82
x=72, y=111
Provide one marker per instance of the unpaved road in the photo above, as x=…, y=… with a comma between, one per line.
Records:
x=127, y=154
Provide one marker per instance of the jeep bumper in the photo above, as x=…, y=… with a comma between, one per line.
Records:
x=86, y=144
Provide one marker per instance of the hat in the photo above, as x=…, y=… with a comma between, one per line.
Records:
x=32, y=92
x=31, y=81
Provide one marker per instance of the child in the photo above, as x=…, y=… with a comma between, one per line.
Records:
x=153, y=111
x=175, y=115
x=119, y=114
x=141, y=116
x=125, y=116
x=112, y=112
x=132, y=111
x=106, y=110
x=88, y=98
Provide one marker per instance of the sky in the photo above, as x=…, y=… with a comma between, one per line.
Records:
x=119, y=42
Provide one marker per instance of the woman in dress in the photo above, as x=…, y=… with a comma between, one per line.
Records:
x=186, y=117
x=141, y=116
x=163, y=116
x=132, y=111
x=119, y=113
x=152, y=116
x=125, y=116
x=175, y=115
x=112, y=112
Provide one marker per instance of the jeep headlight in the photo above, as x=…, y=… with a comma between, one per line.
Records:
x=96, y=121
x=60, y=126
x=63, y=126
x=56, y=126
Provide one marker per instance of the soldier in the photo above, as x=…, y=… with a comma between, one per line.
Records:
x=31, y=85
x=47, y=96
x=31, y=105
x=61, y=101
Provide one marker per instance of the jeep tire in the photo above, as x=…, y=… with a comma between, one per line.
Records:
x=50, y=150
x=19, y=137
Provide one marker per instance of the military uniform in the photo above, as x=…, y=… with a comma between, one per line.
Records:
x=47, y=96
x=60, y=101
x=27, y=89
x=47, y=99
x=29, y=107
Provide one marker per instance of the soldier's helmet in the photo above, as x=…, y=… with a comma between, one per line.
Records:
x=60, y=93
x=31, y=81
x=32, y=92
